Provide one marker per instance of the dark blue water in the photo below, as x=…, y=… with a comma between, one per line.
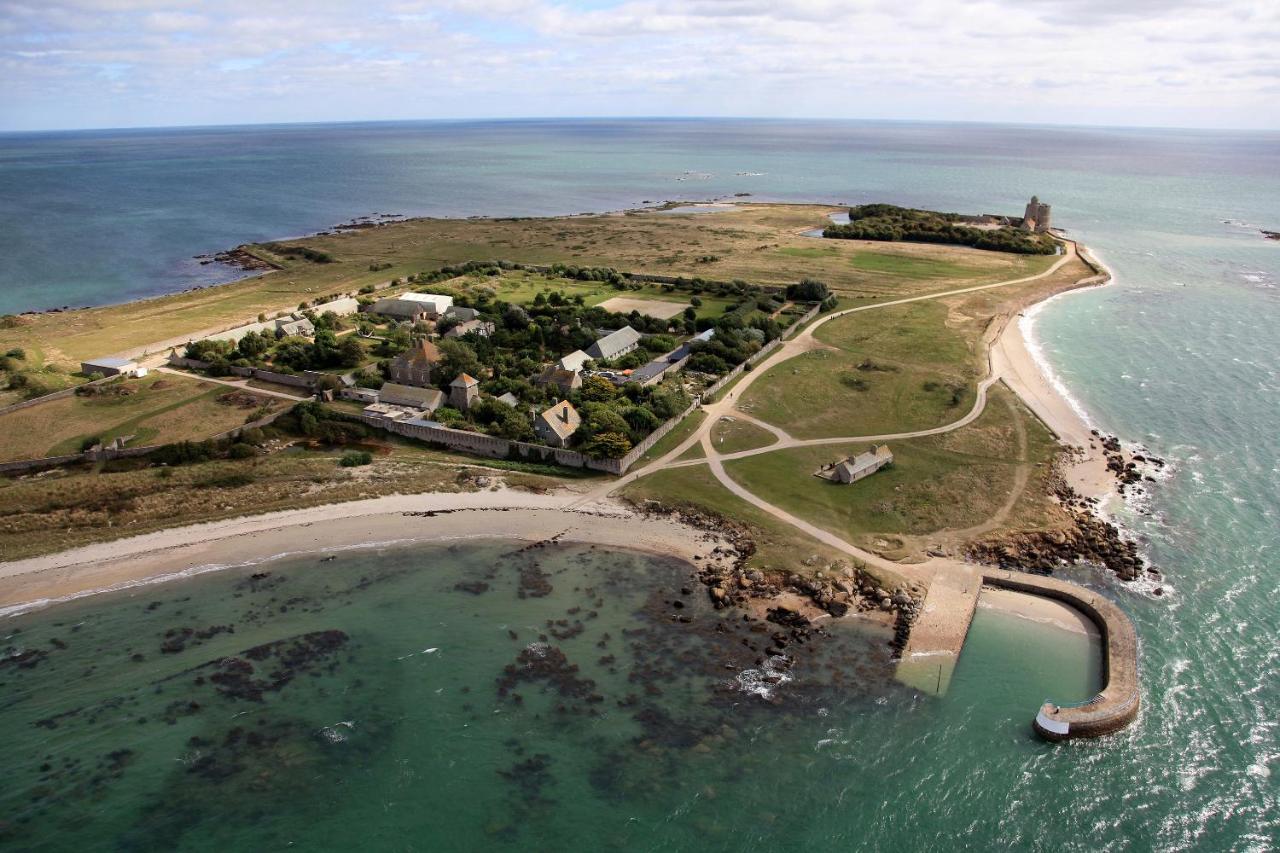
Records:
x=96, y=217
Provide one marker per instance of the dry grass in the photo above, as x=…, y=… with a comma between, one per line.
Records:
x=66, y=508
x=746, y=243
x=156, y=410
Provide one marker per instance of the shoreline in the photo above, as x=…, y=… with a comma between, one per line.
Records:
x=1038, y=609
x=1019, y=359
x=392, y=521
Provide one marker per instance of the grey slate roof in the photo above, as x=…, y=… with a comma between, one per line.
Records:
x=614, y=343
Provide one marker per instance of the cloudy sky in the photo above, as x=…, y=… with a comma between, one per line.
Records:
x=125, y=63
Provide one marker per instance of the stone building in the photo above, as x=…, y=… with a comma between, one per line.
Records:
x=1038, y=216
x=557, y=424
x=464, y=392
x=615, y=344
x=412, y=307
x=863, y=465
x=414, y=365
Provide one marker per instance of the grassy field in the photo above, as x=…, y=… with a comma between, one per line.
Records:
x=744, y=243
x=523, y=287
x=897, y=267
x=952, y=482
x=730, y=436
x=894, y=369
x=73, y=507
x=824, y=393
x=155, y=410
x=779, y=545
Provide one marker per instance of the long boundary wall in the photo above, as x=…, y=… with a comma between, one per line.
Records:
x=1116, y=705
x=18, y=466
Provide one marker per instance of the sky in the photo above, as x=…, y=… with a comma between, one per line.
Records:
x=148, y=63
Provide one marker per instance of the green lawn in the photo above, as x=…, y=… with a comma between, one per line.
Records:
x=730, y=436
x=904, y=267
x=896, y=369
x=952, y=481
x=523, y=287
x=823, y=394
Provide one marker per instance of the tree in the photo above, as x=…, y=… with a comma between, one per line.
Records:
x=350, y=352
x=808, y=290
x=597, y=389
x=253, y=345
x=608, y=445
x=458, y=357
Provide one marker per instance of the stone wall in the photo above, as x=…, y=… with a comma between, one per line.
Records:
x=491, y=446
x=20, y=465
x=56, y=395
x=305, y=381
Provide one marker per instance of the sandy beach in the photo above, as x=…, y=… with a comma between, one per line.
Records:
x=1036, y=608
x=1012, y=359
x=183, y=551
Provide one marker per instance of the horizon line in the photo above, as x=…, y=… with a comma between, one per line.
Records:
x=622, y=118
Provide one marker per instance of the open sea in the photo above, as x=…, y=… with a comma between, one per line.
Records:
x=372, y=702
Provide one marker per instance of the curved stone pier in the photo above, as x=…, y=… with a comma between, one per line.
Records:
x=1117, y=704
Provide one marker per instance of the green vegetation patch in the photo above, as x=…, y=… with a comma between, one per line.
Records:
x=672, y=440
x=934, y=483
x=730, y=435
x=892, y=223
x=824, y=393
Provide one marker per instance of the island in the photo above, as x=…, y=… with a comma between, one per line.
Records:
x=676, y=377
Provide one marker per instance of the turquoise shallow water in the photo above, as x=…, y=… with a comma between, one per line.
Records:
x=371, y=702
x=1181, y=353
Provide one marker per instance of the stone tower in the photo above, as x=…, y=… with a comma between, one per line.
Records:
x=464, y=392
x=1037, y=216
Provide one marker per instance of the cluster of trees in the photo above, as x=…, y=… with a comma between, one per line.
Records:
x=892, y=223
x=289, y=354
x=808, y=290
x=615, y=418
x=294, y=252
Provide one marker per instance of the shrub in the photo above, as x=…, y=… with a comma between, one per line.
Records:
x=355, y=458
x=240, y=450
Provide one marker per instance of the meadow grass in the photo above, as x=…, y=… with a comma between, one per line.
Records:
x=731, y=436
x=161, y=410
x=955, y=481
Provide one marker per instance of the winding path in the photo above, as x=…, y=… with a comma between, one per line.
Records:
x=953, y=585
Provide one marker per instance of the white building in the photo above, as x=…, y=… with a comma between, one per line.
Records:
x=414, y=306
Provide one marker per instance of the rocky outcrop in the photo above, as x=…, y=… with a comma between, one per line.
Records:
x=1087, y=538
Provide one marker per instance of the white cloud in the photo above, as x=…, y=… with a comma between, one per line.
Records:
x=1191, y=62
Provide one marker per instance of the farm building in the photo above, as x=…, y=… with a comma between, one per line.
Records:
x=863, y=465
x=109, y=367
x=413, y=306
x=427, y=399
x=615, y=344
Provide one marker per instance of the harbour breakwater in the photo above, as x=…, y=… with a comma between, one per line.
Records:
x=1116, y=705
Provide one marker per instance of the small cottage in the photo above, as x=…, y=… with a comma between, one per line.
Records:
x=557, y=424
x=863, y=465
